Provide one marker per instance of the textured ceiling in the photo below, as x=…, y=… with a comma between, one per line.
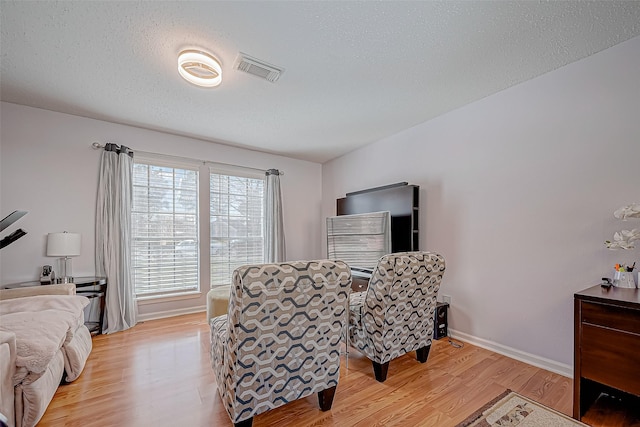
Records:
x=355, y=72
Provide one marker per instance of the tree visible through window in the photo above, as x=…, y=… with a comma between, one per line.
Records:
x=236, y=218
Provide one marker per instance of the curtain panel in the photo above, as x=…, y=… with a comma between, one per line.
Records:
x=113, y=237
x=274, y=241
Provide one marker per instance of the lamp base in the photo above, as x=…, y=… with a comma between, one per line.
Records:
x=65, y=270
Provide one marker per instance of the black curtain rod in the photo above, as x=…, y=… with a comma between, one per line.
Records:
x=97, y=146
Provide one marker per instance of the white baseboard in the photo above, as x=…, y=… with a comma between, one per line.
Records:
x=170, y=313
x=531, y=359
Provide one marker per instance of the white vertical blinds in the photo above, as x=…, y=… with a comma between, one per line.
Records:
x=236, y=217
x=360, y=239
x=165, y=229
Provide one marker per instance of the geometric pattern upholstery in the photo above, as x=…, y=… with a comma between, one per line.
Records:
x=280, y=340
x=395, y=315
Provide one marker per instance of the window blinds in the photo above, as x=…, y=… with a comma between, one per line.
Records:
x=165, y=229
x=236, y=218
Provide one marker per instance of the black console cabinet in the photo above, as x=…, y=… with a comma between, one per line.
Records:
x=94, y=288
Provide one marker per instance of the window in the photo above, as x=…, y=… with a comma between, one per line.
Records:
x=236, y=224
x=171, y=224
x=165, y=229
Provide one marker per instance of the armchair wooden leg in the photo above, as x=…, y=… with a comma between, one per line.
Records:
x=325, y=398
x=244, y=423
x=380, y=370
x=423, y=353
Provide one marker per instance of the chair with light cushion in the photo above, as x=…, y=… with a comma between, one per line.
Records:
x=395, y=315
x=217, y=301
x=280, y=340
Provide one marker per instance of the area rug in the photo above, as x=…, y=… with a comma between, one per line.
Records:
x=510, y=410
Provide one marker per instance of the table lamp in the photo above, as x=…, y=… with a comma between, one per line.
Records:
x=64, y=245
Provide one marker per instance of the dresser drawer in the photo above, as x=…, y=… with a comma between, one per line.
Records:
x=610, y=316
x=611, y=357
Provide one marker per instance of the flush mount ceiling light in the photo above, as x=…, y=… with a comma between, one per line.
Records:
x=199, y=68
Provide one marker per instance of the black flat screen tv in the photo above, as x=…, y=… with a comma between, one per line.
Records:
x=401, y=200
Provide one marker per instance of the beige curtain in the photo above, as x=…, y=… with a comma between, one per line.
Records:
x=274, y=241
x=113, y=237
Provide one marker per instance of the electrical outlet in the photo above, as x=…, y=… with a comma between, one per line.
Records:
x=447, y=299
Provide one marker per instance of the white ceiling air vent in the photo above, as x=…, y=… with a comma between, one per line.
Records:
x=258, y=68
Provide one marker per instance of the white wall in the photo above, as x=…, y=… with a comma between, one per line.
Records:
x=49, y=169
x=518, y=192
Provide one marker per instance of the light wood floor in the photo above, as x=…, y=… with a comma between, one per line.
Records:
x=158, y=373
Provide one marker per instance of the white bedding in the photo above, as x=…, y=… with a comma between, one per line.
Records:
x=43, y=325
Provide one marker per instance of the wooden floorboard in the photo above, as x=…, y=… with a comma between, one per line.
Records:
x=159, y=373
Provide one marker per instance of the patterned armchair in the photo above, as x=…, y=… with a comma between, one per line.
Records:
x=395, y=315
x=280, y=340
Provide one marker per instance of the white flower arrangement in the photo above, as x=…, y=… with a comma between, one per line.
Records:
x=624, y=239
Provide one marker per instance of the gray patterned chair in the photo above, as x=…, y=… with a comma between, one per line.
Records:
x=395, y=315
x=280, y=340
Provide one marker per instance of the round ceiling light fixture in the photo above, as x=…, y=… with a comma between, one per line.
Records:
x=199, y=68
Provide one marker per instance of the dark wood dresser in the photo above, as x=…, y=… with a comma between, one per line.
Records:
x=607, y=344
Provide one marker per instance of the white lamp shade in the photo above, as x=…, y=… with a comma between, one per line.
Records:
x=63, y=244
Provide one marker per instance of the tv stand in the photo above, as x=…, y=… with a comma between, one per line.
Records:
x=358, y=283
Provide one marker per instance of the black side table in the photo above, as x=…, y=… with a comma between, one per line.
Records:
x=94, y=288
